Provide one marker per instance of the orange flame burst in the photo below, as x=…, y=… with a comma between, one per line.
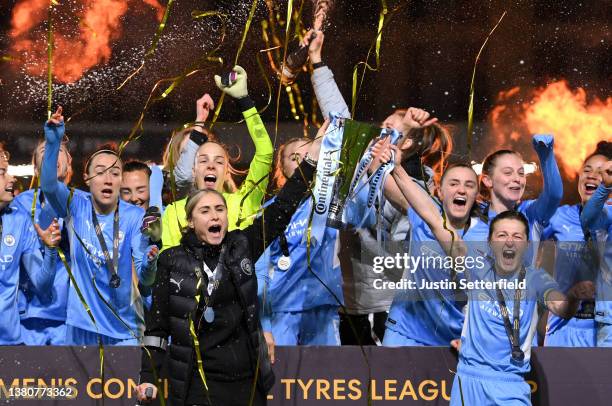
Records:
x=99, y=24
x=577, y=123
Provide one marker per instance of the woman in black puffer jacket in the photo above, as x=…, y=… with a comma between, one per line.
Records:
x=205, y=302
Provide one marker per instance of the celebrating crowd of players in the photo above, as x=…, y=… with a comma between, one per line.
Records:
x=80, y=268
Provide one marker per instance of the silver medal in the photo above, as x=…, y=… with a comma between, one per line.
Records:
x=209, y=314
x=283, y=263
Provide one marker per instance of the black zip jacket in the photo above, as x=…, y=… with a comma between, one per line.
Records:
x=233, y=343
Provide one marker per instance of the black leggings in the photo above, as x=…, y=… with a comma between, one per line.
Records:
x=364, y=329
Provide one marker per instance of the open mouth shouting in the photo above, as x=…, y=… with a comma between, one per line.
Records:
x=215, y=230
x=10, y=188
x=508, y=258
x=589, y=188
x=107, y=193
x=460, y=201
x=210, y=181
x=214, y=234
x=509, y=254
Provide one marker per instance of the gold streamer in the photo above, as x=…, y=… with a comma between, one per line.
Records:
x=111, y=309
x=154, y=43
x=247, y=26
x=289, y=91
x=137, y=129
x=196, y=342
x=280, y=84
x=262, y=70
x=382, y=23
x=471, y=105
x=87, y=309
x=78, y=291
x=309, y=265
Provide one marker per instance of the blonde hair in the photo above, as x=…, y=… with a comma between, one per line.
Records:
x=229, y=185
x=173, y=152
x=194, y=198
x=173, y=148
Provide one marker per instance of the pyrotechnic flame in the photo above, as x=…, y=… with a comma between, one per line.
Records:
x=577, y=122
x=79, y=47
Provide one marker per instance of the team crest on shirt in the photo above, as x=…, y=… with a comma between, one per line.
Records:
x=246, y=266
x=484, y=297
x=121, y=236
x=9, y=240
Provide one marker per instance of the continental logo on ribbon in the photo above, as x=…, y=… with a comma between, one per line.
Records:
x=321, y=206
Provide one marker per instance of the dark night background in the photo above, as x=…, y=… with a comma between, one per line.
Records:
x=427, y=56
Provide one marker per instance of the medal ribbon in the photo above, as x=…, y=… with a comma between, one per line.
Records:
x=113, y=264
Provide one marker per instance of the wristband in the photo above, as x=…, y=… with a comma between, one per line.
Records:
x=310, y=161
x=318, y=65
x=198, y=137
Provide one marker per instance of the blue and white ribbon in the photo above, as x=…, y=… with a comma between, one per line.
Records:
x=327, y=168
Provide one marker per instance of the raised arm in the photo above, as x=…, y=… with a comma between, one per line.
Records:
x=56, y=192
x=253, y=188
x=552, y=192
x=183, y=170
x=156, y=185
x=425, y=207
x=41, y=266
x=144, y=255
x=413, y=119
x=275, y=218
x=326, y=90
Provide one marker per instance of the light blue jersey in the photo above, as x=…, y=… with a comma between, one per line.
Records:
x=486, y=373
x=539, y=211
x=299, y=289
x=56, y=310
x=597, y=218
x=426, y=316
x=20, y=249
x=88, y=261
x=564, y=228
x=484, y=341
x=132, y=246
